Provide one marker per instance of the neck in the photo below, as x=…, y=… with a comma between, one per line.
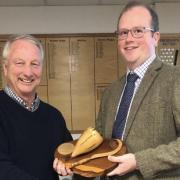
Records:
x=28, y=99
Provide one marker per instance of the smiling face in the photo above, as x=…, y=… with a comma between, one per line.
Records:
x=23, y=68
x=136, y=50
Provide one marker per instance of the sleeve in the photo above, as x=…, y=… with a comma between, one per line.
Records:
x=8, y=169
x=166, y=157
x=99, y=124
x=66, y=136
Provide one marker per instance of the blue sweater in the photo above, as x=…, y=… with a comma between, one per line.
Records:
x=28, y=140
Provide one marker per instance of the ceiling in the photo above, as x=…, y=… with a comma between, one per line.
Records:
x=73, y=2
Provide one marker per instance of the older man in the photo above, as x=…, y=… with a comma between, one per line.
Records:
x=30, y=130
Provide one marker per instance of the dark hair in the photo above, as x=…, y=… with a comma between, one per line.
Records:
x=154, y=16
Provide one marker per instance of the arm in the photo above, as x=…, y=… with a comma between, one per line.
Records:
x=165, y=157
x=65, y=135
x=152, y=162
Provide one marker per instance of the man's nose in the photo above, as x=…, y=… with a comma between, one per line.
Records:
x=28, y=70
x=129, y=35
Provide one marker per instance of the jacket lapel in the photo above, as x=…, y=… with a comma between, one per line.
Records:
x=146, y=82
x=114, y=101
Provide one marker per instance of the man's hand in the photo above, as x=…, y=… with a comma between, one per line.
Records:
x=127, y=163
x=60, y=168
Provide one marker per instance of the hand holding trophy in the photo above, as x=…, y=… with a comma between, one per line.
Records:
x=87, y=156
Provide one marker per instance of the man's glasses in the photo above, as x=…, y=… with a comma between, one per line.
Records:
x=136, y=32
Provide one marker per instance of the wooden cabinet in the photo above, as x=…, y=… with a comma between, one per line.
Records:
x=79, y=68
x=42, y=90
x=82, y=82
x=76, y=71
x=106, y=65
x=59, y=80
x=2, y=81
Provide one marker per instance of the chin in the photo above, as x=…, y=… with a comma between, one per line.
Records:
x=131, y=61
x=27, y=91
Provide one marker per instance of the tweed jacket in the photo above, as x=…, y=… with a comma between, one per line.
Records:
x=153, y=125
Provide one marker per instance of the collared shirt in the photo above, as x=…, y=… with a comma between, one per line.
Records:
x=34, y=105
x=140, y=71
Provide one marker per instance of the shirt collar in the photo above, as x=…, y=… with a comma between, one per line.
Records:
x=34, y=106
x=140, y=71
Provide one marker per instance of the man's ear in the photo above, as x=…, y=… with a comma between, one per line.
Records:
x=156, y=37
x=5, y=68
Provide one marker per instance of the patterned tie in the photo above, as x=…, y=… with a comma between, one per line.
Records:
x=124, y=106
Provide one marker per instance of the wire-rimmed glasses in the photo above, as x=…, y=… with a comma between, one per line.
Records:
x=136, y=32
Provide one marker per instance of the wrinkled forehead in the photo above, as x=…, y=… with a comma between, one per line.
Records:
x=21, y=44
x=23, y=49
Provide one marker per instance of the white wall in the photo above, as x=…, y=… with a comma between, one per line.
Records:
x=77, y=19
x=64, y=19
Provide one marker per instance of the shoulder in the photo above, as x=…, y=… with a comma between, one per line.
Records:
x=115, y=86
x=49, y=109
x=171, y=72
x=112, y=92
x=164, y=71
x=164, y=66
x=167, y=77
x=3, y=95
x=5, y=99
x=48, y=106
